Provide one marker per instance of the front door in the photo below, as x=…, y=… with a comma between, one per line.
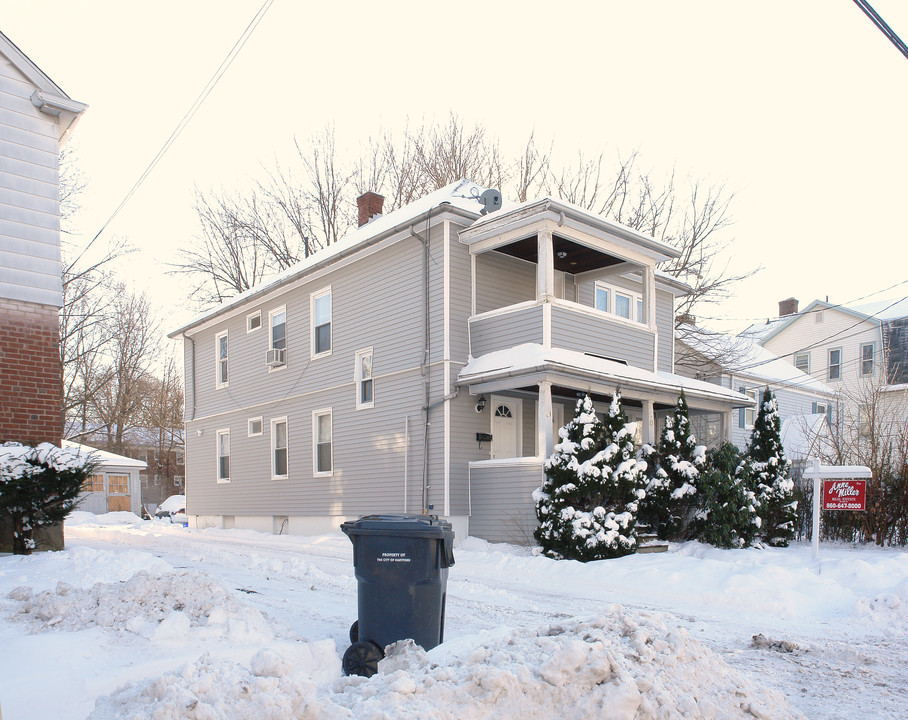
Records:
x=506, y=413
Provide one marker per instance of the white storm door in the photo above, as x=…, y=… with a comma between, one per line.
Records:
x=506, y=413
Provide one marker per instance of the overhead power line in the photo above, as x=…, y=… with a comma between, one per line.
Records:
x=881, y=24
x=185, y=120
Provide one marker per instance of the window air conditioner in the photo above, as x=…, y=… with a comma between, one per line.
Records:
x=276, y=357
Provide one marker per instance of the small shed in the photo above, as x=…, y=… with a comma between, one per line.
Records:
x=115, y=483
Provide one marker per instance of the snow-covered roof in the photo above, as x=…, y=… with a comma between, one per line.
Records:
x=744, y=357
x=891, y=309
x=877, y=311
x=462, y=195
x=758, y=331
x=529, y=357
x=105, y=458
x=805, y=436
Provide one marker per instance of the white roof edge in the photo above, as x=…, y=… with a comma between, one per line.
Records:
x=582, y=215
x=532, y=357
x=36, y=75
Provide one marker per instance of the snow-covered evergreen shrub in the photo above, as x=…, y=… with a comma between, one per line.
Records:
x=39, y=486
x=727, y=514
x=587, y=505
x=672, y=484
x=769, y=472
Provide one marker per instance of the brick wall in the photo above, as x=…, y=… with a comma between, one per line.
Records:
x=30, y=375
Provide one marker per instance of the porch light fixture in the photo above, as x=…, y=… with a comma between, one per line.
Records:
x=481, y=405
x=562, y=254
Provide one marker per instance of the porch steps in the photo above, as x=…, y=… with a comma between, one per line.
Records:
x=650, y=543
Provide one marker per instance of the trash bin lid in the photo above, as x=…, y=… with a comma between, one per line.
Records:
x=405, y=525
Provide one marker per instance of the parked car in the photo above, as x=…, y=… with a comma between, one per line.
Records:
x=173, y=509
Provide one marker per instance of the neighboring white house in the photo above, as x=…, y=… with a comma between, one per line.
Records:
x=424, y=363
x=804, y=402
x=115, y=483
x=860, y=352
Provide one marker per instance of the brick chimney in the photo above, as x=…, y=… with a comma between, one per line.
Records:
x=788, y=307
x=370, y=205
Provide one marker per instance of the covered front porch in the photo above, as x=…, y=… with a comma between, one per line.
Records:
x=531, y=392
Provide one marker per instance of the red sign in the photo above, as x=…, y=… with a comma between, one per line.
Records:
x=845, y=495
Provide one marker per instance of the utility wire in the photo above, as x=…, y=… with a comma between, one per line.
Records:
x=187, y=117
x=881, y=24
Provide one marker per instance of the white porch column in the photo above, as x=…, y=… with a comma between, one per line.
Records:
x=728, y=420
x=545, y=266
x=649, y=423
x=649, y=295
x=545, y=433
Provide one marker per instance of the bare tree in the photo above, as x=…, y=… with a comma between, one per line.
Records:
x=118, y=404
x=295, y=212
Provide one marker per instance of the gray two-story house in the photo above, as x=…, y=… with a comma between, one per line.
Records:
x=424, y=364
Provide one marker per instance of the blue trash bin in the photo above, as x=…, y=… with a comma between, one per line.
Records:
x=401, y=565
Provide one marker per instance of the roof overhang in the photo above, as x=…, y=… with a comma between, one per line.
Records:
x=583, y=241
x=531, y=363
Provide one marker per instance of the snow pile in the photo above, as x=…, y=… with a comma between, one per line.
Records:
x=887, y=609
x=628, y=666
x=162, y=608
x=274, y=687
x=625, y=666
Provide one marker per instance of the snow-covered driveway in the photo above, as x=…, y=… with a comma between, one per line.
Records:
x=522, y=633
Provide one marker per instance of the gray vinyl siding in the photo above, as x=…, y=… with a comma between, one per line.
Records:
x=502, y=280
x=29, y=191
x=665, y=325
x=461, y=297
x=465, y=423
x=499, y=332
x=586, y=332
x=376, y=302
x=502, y=502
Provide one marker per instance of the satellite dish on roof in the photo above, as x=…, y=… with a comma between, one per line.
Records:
x=490, y=201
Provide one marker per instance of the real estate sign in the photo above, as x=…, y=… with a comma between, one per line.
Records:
x=845, y=495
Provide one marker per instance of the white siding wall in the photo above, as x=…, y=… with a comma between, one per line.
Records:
x=29, y=206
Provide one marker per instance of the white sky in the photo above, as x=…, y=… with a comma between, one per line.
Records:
x=800, y=107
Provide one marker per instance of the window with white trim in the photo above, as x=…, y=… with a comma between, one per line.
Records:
x=253, y=321
x=277, y=320
x=220, y=351
x=749, y=412
x=320, y=310
x=276, y=357
x=363, y=376
x=865, y=422
x=223, y=455
x=322, y=442
x=279, y=445
x=254, y=427
x=602, y=298
x=802, y=362
x=620, y=302
x=867, y=360
x=834, y=366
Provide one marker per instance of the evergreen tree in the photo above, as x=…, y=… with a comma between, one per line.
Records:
x=673, y=482
x=769, y=472
x=587, y=504
x=727, y=514
x=39, y=486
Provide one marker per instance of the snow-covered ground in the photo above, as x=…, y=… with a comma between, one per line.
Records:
x=146, y=619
